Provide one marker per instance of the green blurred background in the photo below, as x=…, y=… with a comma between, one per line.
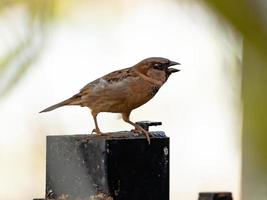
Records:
x=239, y=28
x=250, y=19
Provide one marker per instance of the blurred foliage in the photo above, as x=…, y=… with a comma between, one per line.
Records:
x=250, y=19
x=37, y=18
x=16, y=60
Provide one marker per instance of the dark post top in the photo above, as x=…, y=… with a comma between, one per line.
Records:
x=116, y=166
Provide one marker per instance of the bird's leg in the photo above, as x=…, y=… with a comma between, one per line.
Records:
x=125, y=117
x=96, y=129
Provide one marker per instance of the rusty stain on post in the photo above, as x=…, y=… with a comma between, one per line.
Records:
x=101, y=196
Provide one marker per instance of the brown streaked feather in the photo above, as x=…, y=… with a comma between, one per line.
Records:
x=110, y=78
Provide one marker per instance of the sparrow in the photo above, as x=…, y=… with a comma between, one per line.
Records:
x=123, y=90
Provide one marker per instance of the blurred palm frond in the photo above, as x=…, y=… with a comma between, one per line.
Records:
x=19, y=58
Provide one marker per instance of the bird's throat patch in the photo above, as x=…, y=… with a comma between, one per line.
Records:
x=154, y=90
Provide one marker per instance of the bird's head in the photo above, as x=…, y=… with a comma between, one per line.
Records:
x=157, y=68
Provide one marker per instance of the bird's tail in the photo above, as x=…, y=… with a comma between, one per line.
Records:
x=75, y=100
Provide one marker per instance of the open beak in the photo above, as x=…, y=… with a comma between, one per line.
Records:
x=173, y=70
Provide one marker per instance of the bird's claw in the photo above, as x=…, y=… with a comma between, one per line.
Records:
x=136, y=132
x=97, y=131
x=139, y=130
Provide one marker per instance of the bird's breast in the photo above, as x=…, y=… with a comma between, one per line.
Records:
x=140, y=93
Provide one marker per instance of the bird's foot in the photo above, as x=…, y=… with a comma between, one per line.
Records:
x=136, y=132
x=96, y=135
x=97, y=131
x=139, y=130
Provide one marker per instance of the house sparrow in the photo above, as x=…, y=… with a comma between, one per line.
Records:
x=123, y=90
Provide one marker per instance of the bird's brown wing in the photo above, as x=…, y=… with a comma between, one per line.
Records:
x=113, y=87
x=109, y=79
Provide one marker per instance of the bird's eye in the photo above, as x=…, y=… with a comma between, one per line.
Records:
x=157, y=66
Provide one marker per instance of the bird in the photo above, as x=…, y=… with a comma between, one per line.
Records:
x=123, y=90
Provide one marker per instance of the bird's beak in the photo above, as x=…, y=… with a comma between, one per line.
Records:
x=172, y=63
x=173, y=70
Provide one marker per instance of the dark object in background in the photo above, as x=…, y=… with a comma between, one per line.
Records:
x=215, y=196
x=117, y=166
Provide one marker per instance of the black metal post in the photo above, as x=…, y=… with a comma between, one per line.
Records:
x=118, y=166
